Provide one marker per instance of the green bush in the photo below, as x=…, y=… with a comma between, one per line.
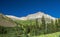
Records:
x=3, y=30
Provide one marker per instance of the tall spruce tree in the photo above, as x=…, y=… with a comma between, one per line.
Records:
x=53, y=26
x=43, y=24
x=58, y=25
x=37, y=25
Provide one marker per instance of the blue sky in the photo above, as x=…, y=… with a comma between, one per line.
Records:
x=21, y=8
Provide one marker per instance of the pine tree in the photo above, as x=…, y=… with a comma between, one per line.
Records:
x=43, y=20
x=43, y=25
x=37, y=21
x=58, y=25
x=53, y=26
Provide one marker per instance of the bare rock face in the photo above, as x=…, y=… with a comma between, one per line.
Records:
x=6, y=22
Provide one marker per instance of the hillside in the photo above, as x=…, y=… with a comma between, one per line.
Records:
x=56, y=34
x=6, y=22
x=29, y=28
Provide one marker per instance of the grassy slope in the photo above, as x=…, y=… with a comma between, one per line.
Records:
x=26, y=22
x=57, y=34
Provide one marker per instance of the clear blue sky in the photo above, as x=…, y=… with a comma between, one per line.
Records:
x=21, y=8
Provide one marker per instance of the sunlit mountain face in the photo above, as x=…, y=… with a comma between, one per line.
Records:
x=32, y=16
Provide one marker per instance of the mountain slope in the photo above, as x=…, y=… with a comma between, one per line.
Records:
x=39, y=15
x=6, y=22
x=32, y=16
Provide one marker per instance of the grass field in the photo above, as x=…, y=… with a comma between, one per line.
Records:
x=57, y=34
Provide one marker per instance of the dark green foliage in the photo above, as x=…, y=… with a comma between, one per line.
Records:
x=43, y=26
x=43, y=20
x=37, y=21
x=3, y=30
x=58, y=25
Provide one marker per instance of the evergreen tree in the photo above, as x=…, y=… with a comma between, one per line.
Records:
x=43, y=25
x=58, y=25
x=52, y=26
x=37, y=21
x=43, y=20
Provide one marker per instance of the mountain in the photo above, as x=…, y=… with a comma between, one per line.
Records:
x=6, y=22
x=39, y=15
x=32, y=16
x=16, y=18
